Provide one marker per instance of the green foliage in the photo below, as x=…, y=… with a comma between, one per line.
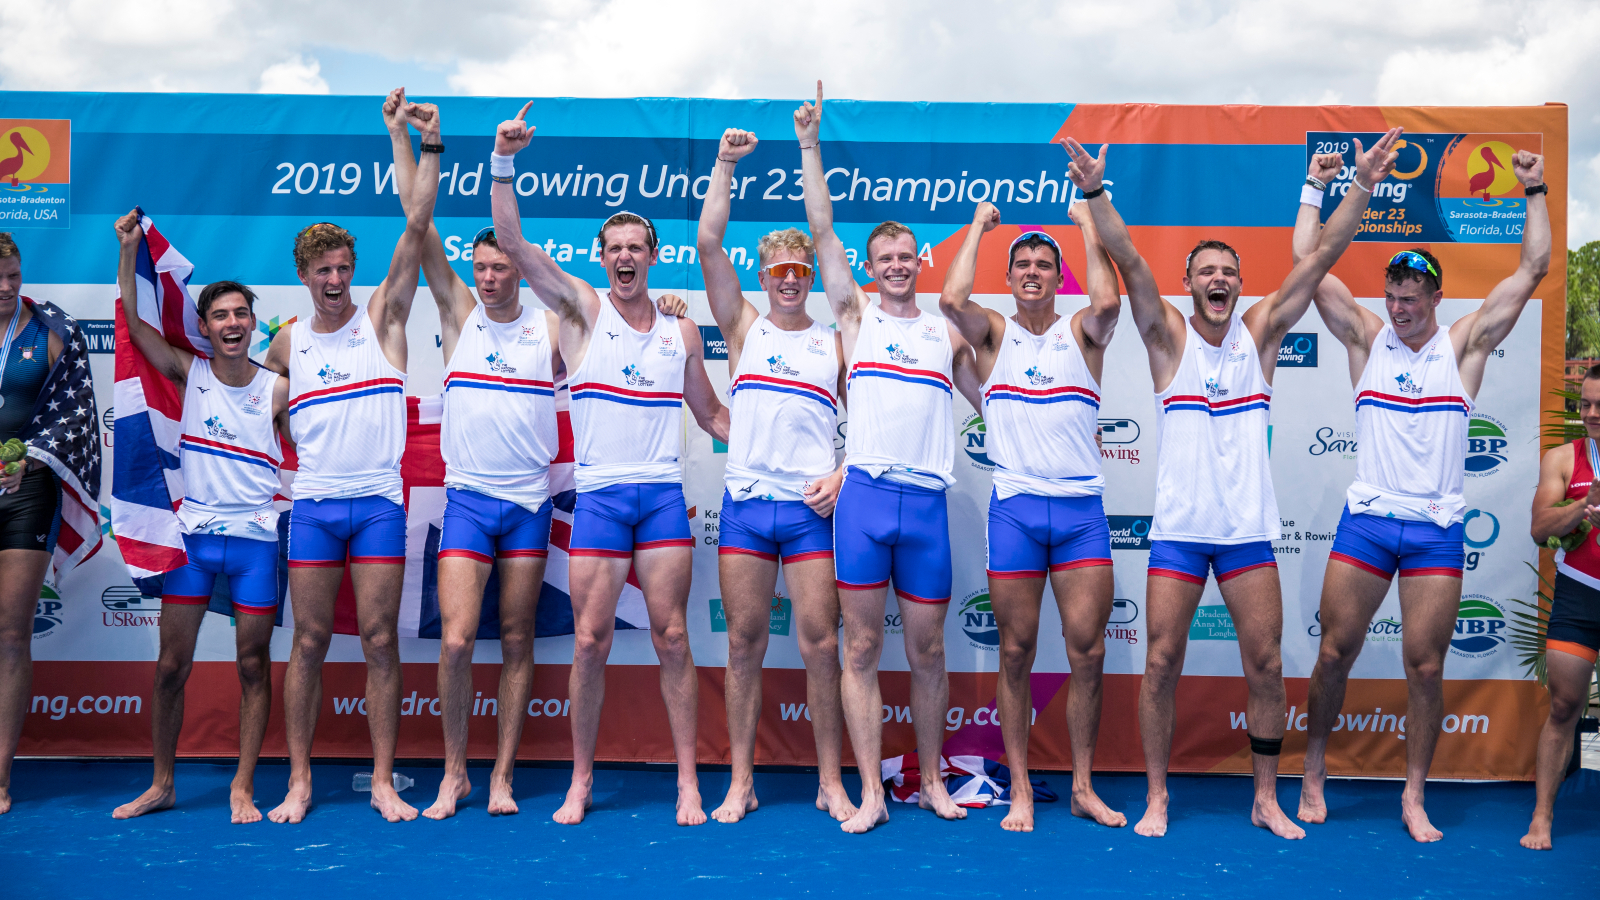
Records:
x=1528, y=633
x=1583, y=302
x=1563, y=425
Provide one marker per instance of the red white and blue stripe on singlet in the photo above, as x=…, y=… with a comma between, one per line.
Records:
x=594, y=390
x=195, y=444
x=926, y=377
x=499, y=383
x=1445, y=404
x=1067, y=392
x=347, y=392
x=752, y=381
x=1196, y=403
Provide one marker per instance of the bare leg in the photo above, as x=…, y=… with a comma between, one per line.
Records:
x=816, y=605
x=521, y=580
x=21, y=576
x=596, y=583
x=1083, y=597
x=747, y=585
x=314, y=590
x=377, y=590
x=930, y=699
x=1015, y=602
x=664, y=578
x=1428, y=609
x=1569, y=683
x=863, y=701
x=1350, y=597
x=1170, y=604
x=253, y=649
x=180, y=625
x=1255, y=602
x=461, y=583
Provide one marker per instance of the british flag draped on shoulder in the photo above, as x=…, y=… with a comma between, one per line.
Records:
x=64, y=434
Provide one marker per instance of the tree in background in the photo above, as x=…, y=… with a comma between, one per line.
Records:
x=1583, y=302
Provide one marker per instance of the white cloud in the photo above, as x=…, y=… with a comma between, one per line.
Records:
x=295, y=75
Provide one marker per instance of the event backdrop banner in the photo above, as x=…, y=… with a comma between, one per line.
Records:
x=231, y=179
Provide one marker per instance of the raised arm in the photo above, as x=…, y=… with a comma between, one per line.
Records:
x=845, y=297
x=734, y=314
x=708, y=411
x=981, y=326
x=1099, y=321
x=1480, y=332
x=1271, y=319
x=570, y=298
x=390, y=305
x=168, y=360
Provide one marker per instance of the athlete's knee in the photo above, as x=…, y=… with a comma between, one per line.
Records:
x=1424, y=669
x=1565, y=707
x=861, y=652
x=254, y=668
x=172, y=672
x=312, y=638
x=1336, y=655
x=1163, y=663
x=824, y=647
x=379, y=642
x=1264, y=666
x=16, y=641
x=456, y=648
x=925, y=650
x=1016, y=659
x=516, y=642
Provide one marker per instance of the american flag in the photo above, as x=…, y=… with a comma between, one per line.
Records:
x=64, y=433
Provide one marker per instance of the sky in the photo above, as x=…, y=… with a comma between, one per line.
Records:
x=1422, y=52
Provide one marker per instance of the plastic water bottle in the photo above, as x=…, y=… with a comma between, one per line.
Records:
x=363, y=781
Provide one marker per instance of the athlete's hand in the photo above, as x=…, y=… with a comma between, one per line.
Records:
x=129, y=231
x=1087, y=172
x=1080, y=215
x=394, y=110
x=808, y=119
x=986, y=216
x=822, y=494
x=1528, y=167
x=736, y=144
x=1325, y=167
x=514, y=134
x=672, y=305
x=425, y=118
x=1373, y=166
x=10, y=483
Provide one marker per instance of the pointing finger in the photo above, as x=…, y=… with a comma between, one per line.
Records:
x=819, y=93
x=522, y=115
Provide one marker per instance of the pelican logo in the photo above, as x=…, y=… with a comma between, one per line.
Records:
x=35, y=172
x=1488, y=170
x=1038, y=378
x=635, y=378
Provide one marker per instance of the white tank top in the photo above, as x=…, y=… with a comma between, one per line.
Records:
x=1041, y=408
x=1213, y=475
x=499, y=429
x=901, y=424
x=1411, y=432
x=783, y=411
x=347, y=413
x=229, y=455
x=627, y=403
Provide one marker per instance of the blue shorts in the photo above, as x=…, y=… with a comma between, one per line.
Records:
x=774, y=529
x=617, y=520
x=484, y=528
x=1381, y=545
x=370, y=530
x=1191, y=561
x=1030, y=535
x=251, y=567
x=884, y=529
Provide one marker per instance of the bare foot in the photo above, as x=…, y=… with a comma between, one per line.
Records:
x=741, y=799
x=242, y=801
x=938, y=800
x=1020, y=816
x=1313, y=806
x=294, y=807
x=1267, y=814
x=1154, y=823
x=500, y=800
x=452, y=790
x=388, y=803
x=5, y=801
x=833, y=800
x=578, y=799
x=1538, y=836
x=156, y=798
x=1086, y=804
x=689, y=810
x=1416, y=821
x=871, y=814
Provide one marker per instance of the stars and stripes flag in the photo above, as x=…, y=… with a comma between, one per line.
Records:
x=145, y=479
x=64, y=434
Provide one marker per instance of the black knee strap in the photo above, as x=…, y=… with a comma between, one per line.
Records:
x=1266, y=746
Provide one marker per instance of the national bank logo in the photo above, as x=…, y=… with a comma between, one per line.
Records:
x=976, y=618
x=1486, y=443
x=1129, y=532
x=970, y=438
x=35, y=173
x=1481, y=626
x=47, y=614
x=1298, y=350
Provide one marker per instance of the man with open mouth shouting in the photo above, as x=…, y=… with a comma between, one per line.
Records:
x=1215, y=506
x=631, y=368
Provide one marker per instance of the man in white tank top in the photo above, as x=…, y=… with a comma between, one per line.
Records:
x=632, y=369
x=891, y=522
x=1415, y=383
x=1041, y=377
x=346, y=365
x=1215, y=505
x=233, y=411
x=782, y=482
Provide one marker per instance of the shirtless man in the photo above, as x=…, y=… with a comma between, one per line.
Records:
x=631, y=369
x=891, y=521
x=1415, y=381
x=782, y=482
x=1215, y=505
x=346, y=367
x=1041, y=400
x=233, y=412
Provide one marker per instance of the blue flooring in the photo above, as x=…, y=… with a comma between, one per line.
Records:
x=60, y=841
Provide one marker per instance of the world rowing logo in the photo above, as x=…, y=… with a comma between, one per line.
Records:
x=900, y=356
x=330, y=375
x=497, y=363
x=1215, y=390
x=1038, y=378
x=215, y=429
x=635, y=378
x=779, y=367
x=1407, y=386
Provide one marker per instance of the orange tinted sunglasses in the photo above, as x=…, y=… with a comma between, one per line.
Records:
x=785, y=269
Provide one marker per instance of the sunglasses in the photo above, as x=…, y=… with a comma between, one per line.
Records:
x=785, y=269
x=649, y=226
x=1413, y=260
x=1034, y=234
x=481, y=235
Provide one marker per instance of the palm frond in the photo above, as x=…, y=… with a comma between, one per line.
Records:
x=1527, y=630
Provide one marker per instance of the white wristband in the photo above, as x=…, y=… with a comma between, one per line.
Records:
x=1357, y=182
x=1310, y=196
x=502, y=166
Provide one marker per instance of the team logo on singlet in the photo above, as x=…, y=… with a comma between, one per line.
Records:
x=529, y=336
x=259, y=520
x=1215, y=390
x=1407, y=386
x=1038, y=378
x=635, y=378
x=1234, y=353
x=330, y=375
x=668, y=345
x=356, y=339
x=817, y=346
x=900, y=356
x=930, y=332
x=27, y=352
x=779, y=367
x=1433, y=354
x=252, y=404
x=1058, y=340
x=215, y=429
x=497, y=363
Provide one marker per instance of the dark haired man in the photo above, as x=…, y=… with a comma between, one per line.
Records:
x=1415, y=382
x=891, y=521
x=631, y=369
x=346, y=366
x=233, y=414
x=1215, y=505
